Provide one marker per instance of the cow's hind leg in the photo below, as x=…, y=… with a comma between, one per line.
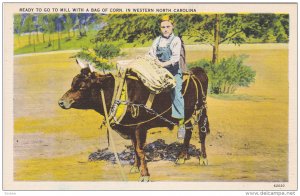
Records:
x=203, y=131
x=140, y=134
x=183, y=155
x=137, y=162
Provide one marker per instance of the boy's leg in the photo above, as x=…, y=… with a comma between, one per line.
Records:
x=178, y=104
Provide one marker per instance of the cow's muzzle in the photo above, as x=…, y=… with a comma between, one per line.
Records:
x=65, y=104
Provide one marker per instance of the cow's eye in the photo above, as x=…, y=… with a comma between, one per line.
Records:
x=82, y=88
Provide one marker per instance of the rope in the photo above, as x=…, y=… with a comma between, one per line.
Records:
x=111, y=137
x=143, y=122
x=157, y=116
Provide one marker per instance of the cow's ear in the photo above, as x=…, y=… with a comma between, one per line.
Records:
x=85, y=71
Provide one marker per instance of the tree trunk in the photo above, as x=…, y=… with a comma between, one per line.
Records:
x=79, y=31
x=58, y=40
x=216, y=39
x=19, y=43
x=43, y=37
x=49, y=42
x=33, y=45
x=224, y=88
x=37, y=34
x=69, y=35
x=29, y=39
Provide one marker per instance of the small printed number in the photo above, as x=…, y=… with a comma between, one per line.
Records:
x=279, y=185
x=10, y=193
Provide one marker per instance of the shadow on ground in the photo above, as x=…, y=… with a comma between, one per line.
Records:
x=155, y=151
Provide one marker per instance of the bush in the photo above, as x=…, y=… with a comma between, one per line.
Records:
x=107, y=50
x=100, y=55
x=227, y=75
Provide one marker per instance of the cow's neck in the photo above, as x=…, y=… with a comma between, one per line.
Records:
x=107, y=86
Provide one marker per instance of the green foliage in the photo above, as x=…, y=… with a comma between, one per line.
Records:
x=17, y=23
x=227, y=75
x=73, y=44
x=107, y=50
x=100, y=55
x=234, y=28
x=212, y=29
x=68, y=25
x=28, y=25
x=140, y=29
x=269, y=27
x=130, y=27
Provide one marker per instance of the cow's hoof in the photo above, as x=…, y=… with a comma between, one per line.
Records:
x=180, y=161
x=134, y=170
x=203, y=161
x=144, y=179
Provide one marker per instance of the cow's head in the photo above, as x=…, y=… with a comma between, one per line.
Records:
x=83, y=88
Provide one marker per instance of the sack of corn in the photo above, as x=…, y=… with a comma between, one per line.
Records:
x=156, y=78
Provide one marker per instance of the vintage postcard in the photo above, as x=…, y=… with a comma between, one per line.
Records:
x=140, y=96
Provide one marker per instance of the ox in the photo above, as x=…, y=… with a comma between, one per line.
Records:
x=85, y=94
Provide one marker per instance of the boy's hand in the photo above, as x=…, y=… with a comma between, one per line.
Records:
x=162, y=64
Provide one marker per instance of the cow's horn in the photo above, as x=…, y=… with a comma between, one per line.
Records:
x=92, y=68
x=81, y=64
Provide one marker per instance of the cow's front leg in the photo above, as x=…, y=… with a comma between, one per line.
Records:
x=137, y=162
x=140, y=135
x=183, y=155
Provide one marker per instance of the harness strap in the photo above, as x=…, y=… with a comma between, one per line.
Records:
x=118, y=88
x=131, y=77
x=110, y=136
x=202, y=90
x=150, y=100
x=135, y=124
x=197, y=90
x=187, y=83
x=196, y=112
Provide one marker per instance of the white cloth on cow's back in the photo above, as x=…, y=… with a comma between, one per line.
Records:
x=156, y=78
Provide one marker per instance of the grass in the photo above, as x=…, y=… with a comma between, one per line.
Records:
x=253, y=122
x=241, y=97
x=76, y=42
x=21, y=43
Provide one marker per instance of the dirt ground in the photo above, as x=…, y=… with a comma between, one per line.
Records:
x=249, y=130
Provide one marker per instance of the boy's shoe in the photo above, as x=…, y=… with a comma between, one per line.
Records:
x=181, y=132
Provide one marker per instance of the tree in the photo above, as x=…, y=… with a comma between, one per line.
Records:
x=68, y=24
x=51, y=27
x=270, y=27
x=28, y=27
x=129, y=27
x=41, y=23
x=36, y=26
x=217, y=29
x=59, y=27
x=212, y=29
x=82, y=22
x=236, y=28
x=18, y=25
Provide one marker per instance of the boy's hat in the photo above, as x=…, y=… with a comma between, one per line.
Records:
x=166, y=18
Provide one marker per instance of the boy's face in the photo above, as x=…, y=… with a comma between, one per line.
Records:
x=166, y=28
